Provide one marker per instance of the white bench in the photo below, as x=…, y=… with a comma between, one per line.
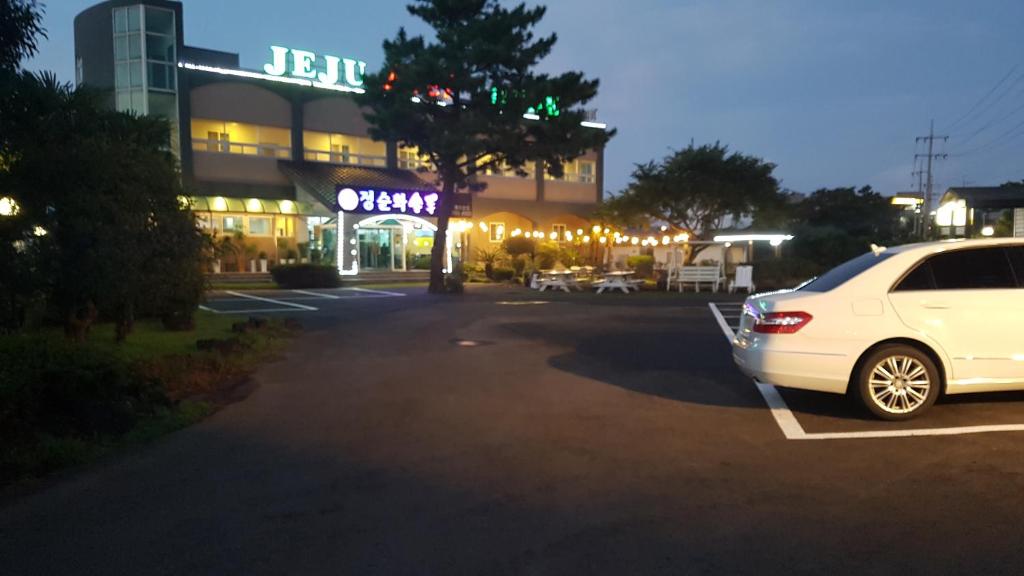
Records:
x=700, y=274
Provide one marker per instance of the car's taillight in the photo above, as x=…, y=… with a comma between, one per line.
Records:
x=781, y=322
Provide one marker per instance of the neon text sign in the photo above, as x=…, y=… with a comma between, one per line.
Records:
x=322, y=71
x=387, y=202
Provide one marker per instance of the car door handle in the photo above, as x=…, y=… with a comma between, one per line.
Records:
x=935, y=305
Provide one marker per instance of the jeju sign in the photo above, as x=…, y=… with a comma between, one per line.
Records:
x=325, y=70
x=412, y=202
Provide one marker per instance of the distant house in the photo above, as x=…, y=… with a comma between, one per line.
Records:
x=969, y=212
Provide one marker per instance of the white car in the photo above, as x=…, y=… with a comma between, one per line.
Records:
x=896, y=326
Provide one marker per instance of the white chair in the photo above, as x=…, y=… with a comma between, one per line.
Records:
x=744, y=279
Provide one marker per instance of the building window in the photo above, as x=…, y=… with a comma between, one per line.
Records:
x=409, y=158
x=496, y=230
x=576, y=171
x=559, y=232
x=79, y=72
x=586, y=171
x=239, y=138
x=343, y=149
x=232, y=224
x=261, y=226
x=129, y=82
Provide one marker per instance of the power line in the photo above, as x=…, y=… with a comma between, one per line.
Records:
x=983, y=98
x=992, y=122
x=1008, y=136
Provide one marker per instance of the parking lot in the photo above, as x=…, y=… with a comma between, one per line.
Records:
x=510, y=432
x=288, y=301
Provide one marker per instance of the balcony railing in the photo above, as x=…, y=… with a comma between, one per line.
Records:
x=344, y=158
x=414, y=163
x=580, y=178
x=242, y=148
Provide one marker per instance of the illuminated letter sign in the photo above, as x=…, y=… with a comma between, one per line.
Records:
x=326, y=71
x=366, y=201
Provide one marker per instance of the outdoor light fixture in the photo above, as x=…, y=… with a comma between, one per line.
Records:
x=531, y=116
x=8, y=207
x=602, y=239
x=598, y=125
x=596, y=229
x=988, y=231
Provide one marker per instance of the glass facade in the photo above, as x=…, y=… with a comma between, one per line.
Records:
x=145, y=64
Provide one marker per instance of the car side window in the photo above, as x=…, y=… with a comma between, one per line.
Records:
x=972, y=269
x=1016, y=254
x=919, y=279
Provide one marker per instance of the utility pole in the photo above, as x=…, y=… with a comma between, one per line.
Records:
x=919, y=216
x=931, y=155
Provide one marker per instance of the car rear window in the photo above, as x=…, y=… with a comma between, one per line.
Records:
x=844, y=272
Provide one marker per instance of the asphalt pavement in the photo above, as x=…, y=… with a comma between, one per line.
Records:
x=510, y=432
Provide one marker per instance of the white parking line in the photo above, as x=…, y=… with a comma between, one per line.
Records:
x=380, y=292
x=272, y=301
x=318, y=294
x=792, y=429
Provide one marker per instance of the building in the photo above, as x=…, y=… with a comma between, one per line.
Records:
x=968, y=212
x=274, y=153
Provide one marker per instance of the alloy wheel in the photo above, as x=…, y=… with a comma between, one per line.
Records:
x=899, y=384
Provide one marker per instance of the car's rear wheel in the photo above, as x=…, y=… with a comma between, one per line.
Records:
x=898, y=382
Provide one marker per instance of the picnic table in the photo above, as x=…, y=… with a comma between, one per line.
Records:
x=618, y=280
x=557, y=280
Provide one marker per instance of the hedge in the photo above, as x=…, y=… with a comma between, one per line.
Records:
x=305, y=276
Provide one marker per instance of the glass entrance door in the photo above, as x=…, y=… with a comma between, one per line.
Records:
x=375, y=248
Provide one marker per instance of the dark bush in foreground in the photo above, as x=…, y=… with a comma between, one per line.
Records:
x=54, y=391
x=305, y=276
x=503, y=274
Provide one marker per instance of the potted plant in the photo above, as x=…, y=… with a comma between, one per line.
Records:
x=250, y=254
x=263, y=261
x=291, y=256
x=303, y=252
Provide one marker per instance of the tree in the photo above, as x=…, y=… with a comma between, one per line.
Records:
x=20, y=26
x=460, y=99
x=696, y=189
x=832, y=225
x=100, y=224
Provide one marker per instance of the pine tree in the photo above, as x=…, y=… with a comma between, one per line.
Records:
x=460, y=99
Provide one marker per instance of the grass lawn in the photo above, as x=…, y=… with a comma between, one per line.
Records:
x=150, y=340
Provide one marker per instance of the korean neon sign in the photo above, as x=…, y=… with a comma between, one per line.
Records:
x=367, y=201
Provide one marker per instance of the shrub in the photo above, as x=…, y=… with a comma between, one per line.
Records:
x=294, y=276
x=58, y=388
x=519, y=246
x=420, y=262
x=504, y=274
x=642, y=264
